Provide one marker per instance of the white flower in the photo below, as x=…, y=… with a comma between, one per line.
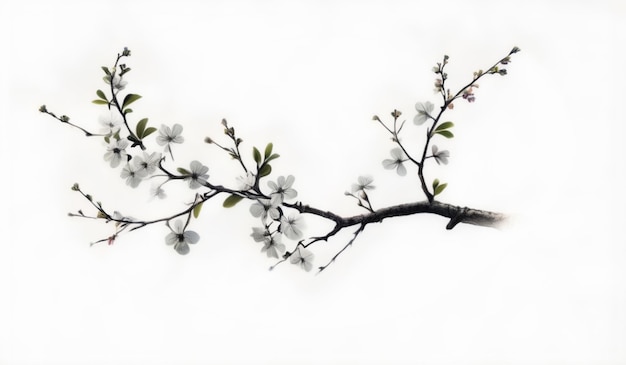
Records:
x=396, y=162
x=363, y=183
x=119, y=83
x=264, y=207
x=302, y=257
x=148, y=163
x=273, y=246
x=116, y=152
x=282, y=190
x=440, y=156
x=111, y=122
x=168, y=136
x=291, y=226
x=198, y=176
x=180, y=238
x=259, y=234
x=158, y=191
x=246, y=182
x=117, y=216
x=133, y=175
x=424, y=111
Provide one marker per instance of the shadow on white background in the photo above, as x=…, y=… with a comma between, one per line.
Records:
x=542, y=144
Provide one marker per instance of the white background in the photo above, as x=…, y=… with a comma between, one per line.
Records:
x=543, y=144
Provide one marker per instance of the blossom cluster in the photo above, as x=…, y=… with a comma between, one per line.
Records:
x=126, y=149
x=277, y=223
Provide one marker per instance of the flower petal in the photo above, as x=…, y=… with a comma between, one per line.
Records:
x=191, y=237
x=401, y=170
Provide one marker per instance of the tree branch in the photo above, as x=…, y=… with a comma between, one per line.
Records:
x=456, y=214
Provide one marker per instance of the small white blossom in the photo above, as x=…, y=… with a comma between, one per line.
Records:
x=440, y=156
x=168, y=136
x=273, y=246
x=119, y=83
x=397, y=161
x=259, y=234
x=121, y=220
x=198, y=176
x=116, y=152
x=110, y=122
x=281, y=189
x=133, y=175
x=363, y=183
x=180, y=239
x=246, y=182
x=424, y=111
x=291, y=226
x=147, y=162
x=302, y=257
x=158, y=191
x=263, y=208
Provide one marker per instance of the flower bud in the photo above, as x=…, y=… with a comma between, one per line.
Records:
x=75, y=187
x=43, y=109
x=65, y=118
x=208, y=140
x=515, y=50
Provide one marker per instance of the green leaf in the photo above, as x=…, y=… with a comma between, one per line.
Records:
x=183, y=171
x=141, y=127
x=231, y=201
x=107, y=139
x=148, y=132
x=445, y=125
x=435, y=183
x=440, y=188
x=129, y=99
x=136, y=141
x=100, y=102
x=101, y=95
x=272, y=157
x=445, y=133
x=197, y=209
x=268, y=150
x=265, y=170
x=106, y=70
x=257, y=155
x=127, y=110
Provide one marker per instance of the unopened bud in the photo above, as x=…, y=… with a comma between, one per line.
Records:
x=208, y=140
x=375, y=117
x=65, y=118
x=515, y=50
x=75, y=187
x=126, y=52
x=396, y=113
x=43, y=109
